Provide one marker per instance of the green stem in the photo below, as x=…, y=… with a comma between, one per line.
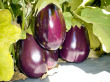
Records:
x=23, y=16
x=1, y=3
x=11, y=10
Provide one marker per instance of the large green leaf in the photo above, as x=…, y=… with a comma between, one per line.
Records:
x=8, y=34
x=6, y=64
x=101, y=25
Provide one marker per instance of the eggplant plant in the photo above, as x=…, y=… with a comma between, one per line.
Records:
x=53, y=19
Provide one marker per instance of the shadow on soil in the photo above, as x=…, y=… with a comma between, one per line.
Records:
x=94, y=66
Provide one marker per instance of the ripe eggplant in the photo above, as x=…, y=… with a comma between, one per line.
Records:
x=51, y=58
x=50, y=29
x=76, y=45
x=31, y=58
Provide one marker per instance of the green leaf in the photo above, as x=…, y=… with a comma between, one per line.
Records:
x=8, y=35
x=70, y=21
x=101, y=25
x=31, y=0
x=16, y=1
x=29, y=30
x=65, y=7
x=94, y=41
x=89, y=2
x=6, y=64
x=62, y=1
x=75, y=4
x=16, y=9
x=107, y=8
x=43, y=3
x=95, y=53
x=77, y=22
x=105, y=3
x=4, y=17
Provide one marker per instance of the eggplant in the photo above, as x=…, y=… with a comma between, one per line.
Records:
x=50, y=28
x=31, y=58
x=51, y=58
x=76, y=46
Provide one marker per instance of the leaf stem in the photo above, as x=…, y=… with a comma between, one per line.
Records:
x=23, y=16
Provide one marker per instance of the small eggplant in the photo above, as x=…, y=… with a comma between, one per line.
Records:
x=76, y=45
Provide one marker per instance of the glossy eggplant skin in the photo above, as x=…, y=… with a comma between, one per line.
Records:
x=76, y=45
x=31, y=58
x=50, y=29
x=51, y=58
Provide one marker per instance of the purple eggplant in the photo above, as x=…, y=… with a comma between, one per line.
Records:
x=50, y=29
x=31, y=58
x=76, y=45
x=51, y=58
